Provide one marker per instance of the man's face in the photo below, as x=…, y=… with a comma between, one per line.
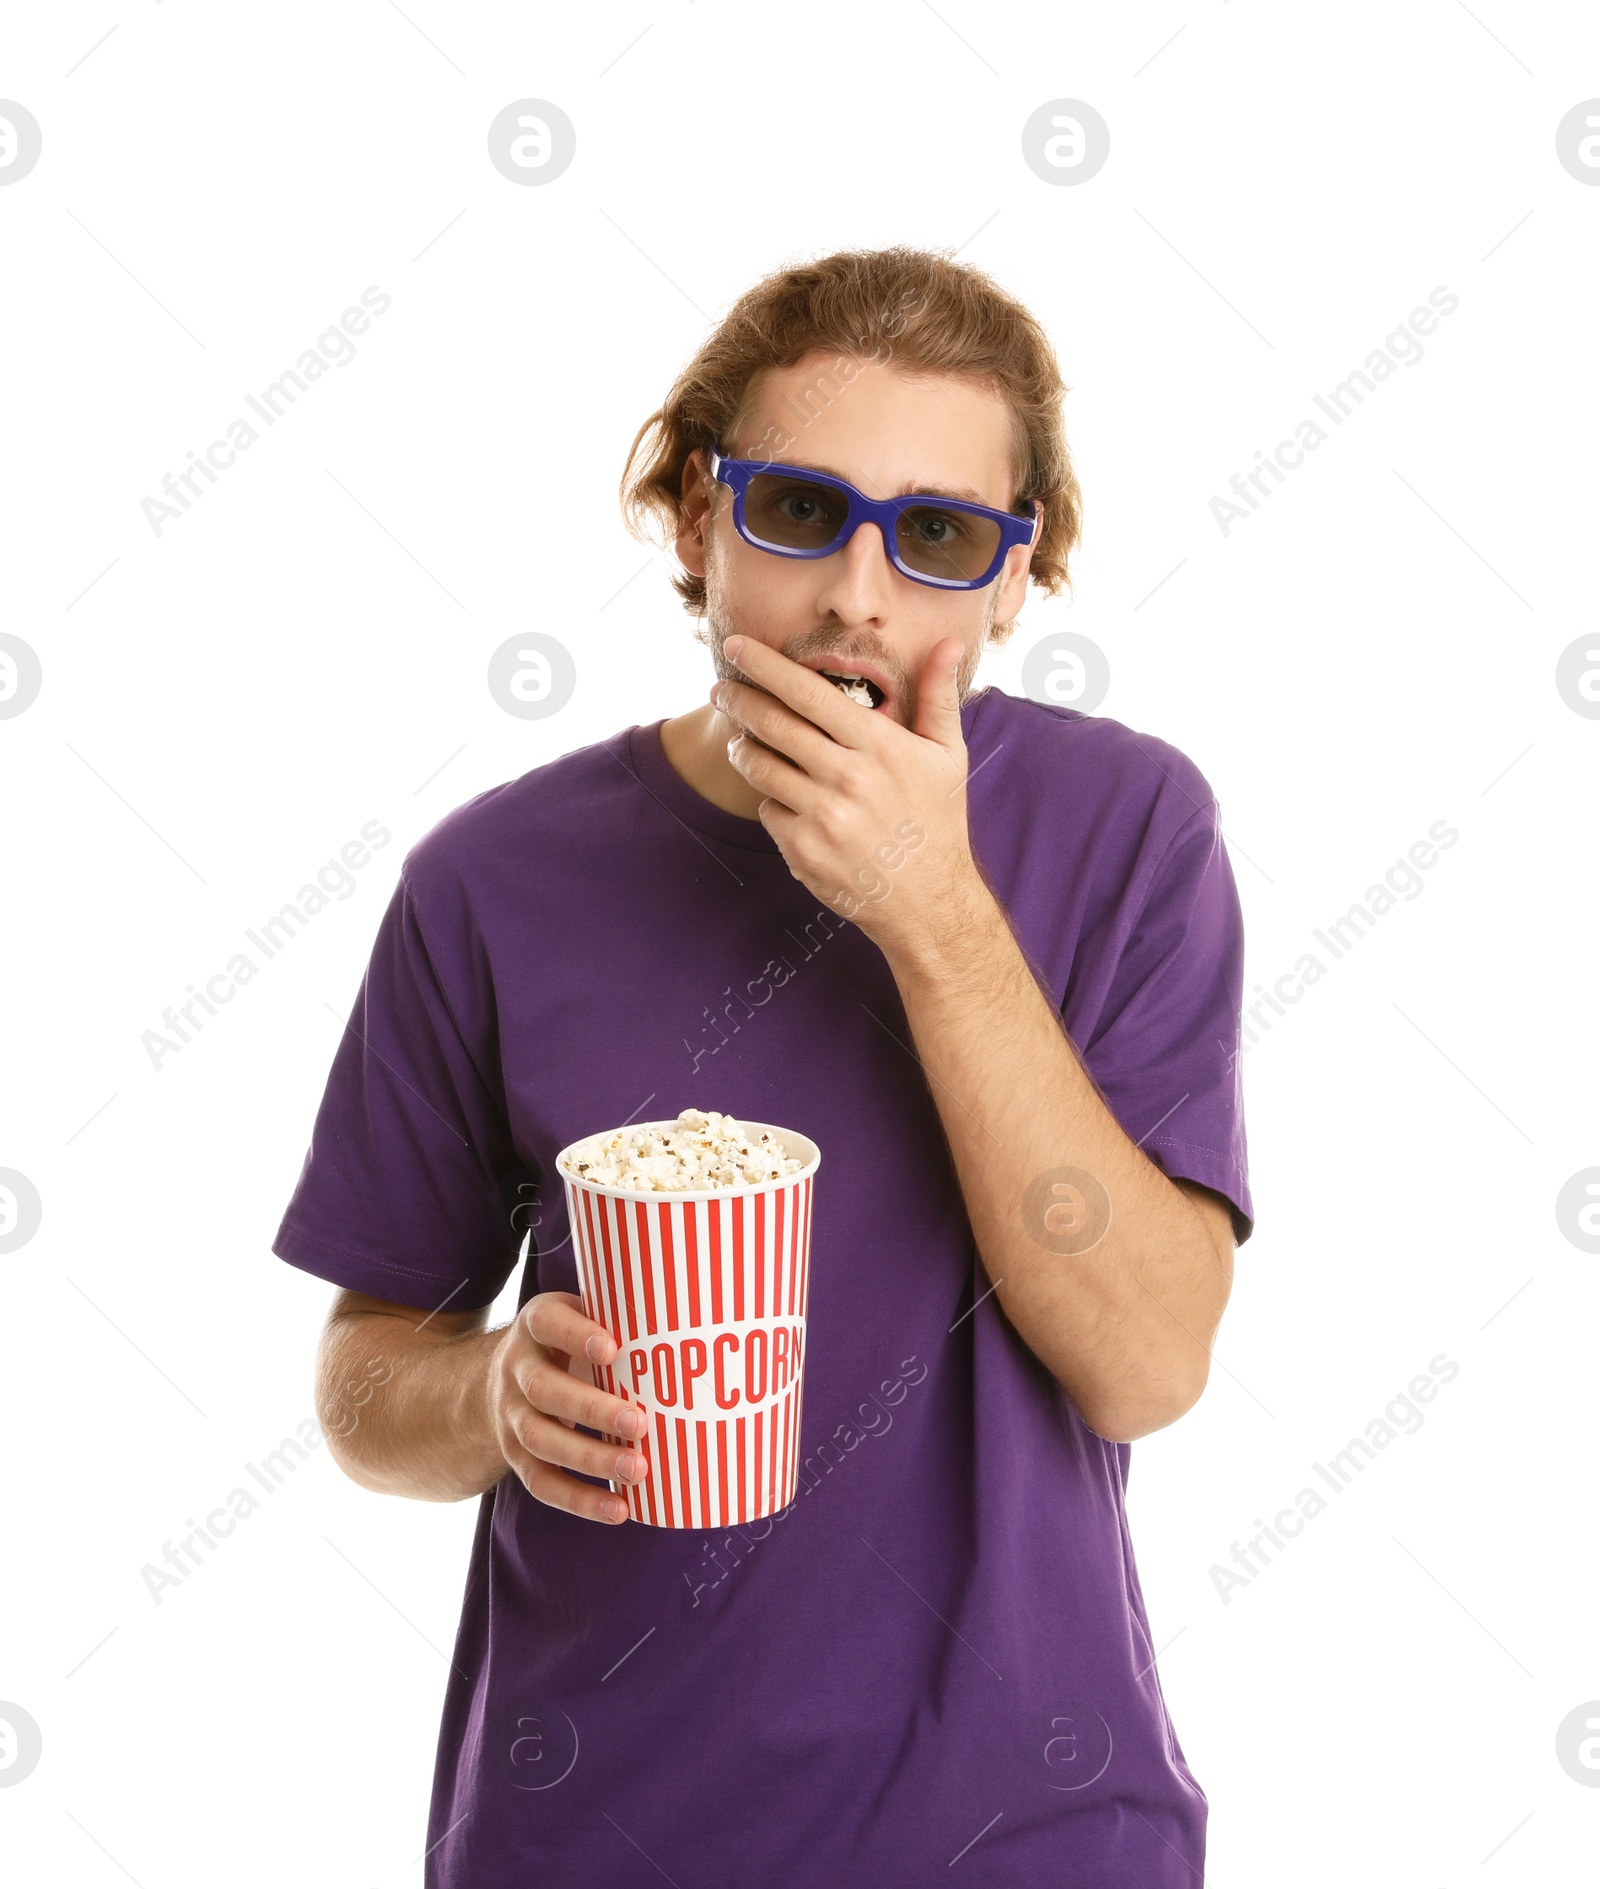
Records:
x=888, y=433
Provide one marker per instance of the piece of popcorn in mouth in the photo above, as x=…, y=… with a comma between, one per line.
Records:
x=857, y=688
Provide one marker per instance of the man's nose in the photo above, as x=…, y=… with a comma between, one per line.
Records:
x=859, y=581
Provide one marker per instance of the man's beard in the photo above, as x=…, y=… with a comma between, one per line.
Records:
x=824, y=642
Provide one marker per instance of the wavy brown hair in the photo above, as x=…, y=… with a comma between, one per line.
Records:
x=918, y=308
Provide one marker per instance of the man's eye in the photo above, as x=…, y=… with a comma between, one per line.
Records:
x=938, y=527
x=804, y=505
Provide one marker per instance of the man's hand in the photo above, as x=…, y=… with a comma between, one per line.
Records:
x=535, y=1401
x=861, y=808
x=433, y=1406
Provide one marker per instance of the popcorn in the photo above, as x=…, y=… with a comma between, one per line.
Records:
x=856, y=688
x=703, y=1150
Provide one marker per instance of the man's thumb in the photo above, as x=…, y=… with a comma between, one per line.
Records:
x=938, y=699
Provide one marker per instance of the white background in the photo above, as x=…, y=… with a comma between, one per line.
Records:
x=226, y=704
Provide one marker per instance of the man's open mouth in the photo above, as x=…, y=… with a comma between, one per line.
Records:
x=860, y=689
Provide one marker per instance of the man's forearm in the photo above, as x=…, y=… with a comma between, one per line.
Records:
x=406, y=1411
x=1125, y=1325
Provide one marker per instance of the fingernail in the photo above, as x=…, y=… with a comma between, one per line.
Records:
x=595, y=1349
x=616, y=1511
x=626, y=1467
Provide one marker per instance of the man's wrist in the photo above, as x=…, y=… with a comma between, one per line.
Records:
x=954, y=936
x=428, y=1432
x=476, y=1419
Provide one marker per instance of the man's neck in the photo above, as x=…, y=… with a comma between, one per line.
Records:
x=696, y=746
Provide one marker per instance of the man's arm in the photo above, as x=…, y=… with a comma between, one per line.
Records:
x=1126, y=1326
x=433, y=1406
x=402, y=1398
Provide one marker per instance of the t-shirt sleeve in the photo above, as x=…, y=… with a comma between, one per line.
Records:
x=409, y=1188
x=1165, y=1048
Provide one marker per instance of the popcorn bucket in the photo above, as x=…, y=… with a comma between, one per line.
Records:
x=705, y=1294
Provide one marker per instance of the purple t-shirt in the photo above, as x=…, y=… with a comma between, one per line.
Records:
x=939, y=1649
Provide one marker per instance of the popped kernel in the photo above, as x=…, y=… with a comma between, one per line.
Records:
x=703, y=1150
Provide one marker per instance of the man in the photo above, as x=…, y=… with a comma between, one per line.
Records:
x=987, y=954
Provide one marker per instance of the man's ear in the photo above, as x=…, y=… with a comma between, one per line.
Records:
x=697, y=491
x=1013, y=590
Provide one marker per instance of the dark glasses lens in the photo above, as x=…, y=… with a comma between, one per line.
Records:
x=954, y=545
x=794, y=513
x=791, y=513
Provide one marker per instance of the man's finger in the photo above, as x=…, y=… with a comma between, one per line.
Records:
x=800, y=689
x=557, y=1319
x=565, y=1449
x=561, y=1491
x=938, y=696
x=571, y=1399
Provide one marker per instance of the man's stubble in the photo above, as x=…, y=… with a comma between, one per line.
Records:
x=715, y=630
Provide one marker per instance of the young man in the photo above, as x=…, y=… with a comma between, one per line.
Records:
x=985, y=952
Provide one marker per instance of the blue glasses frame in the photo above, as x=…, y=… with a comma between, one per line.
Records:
x=885, y=513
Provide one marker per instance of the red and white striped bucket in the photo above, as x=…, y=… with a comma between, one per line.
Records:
x=705, y=1293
